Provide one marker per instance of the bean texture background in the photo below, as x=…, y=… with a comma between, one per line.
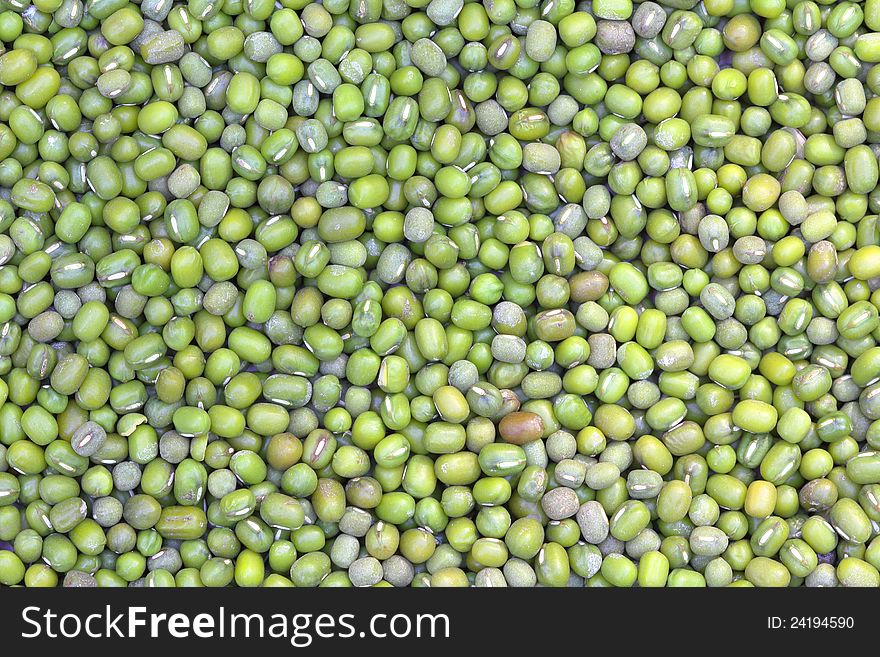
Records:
x=439, y=293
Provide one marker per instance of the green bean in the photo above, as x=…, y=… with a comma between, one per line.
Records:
x=445, y=294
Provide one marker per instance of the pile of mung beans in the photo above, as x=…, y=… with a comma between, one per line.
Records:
x=439, y=293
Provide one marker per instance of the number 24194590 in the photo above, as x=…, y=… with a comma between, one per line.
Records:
x=810, y=623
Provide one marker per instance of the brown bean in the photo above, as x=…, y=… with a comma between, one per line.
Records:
x=588, y=286
x=285, y=450
x=521, y=427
